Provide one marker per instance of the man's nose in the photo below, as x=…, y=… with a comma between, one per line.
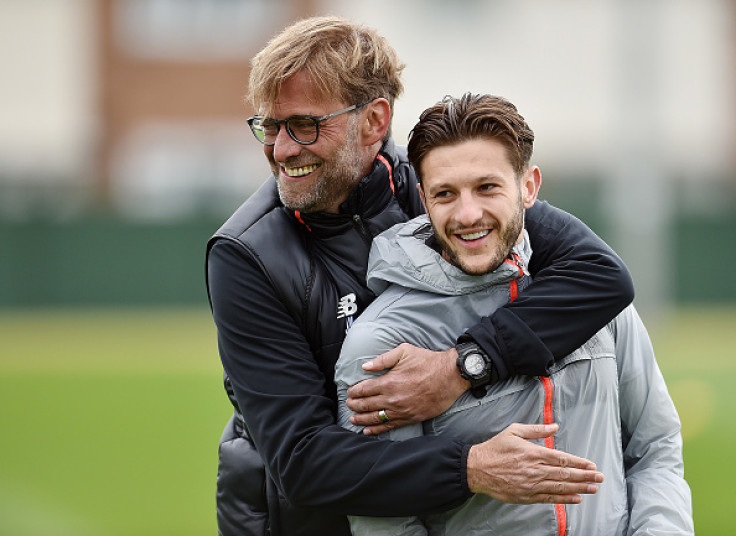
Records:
x=468, y=210
x=284, y=146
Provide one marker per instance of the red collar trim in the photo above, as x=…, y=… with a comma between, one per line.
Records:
x=298, y=216
x=390, y=172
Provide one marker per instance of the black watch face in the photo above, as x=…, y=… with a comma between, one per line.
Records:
x=475, y=365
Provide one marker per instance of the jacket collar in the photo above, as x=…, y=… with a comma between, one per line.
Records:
x=403, y=256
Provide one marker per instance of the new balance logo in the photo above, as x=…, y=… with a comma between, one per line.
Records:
x=347, y=306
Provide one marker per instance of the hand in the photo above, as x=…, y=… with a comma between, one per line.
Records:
x=511, y=469
x=420, y=385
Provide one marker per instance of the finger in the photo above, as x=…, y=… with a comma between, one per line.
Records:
x=378, y=429
x=554, y=492
x=368, y=418
x=549, y=492
x=384, y=361
x=566, y=483
x=563, y=460
x=372, y=424
x=533, y=431
x=565, y=469
x=366, y=388
x=383, y=427
x=366, y=404
x=554, y=488
x=553, y=457
x=558, y=499
x=578, y=475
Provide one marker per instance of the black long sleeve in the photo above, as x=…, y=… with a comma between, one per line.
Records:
x=579, y=286
x=290, y=416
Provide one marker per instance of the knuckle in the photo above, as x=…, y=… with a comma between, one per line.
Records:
x=396, y=401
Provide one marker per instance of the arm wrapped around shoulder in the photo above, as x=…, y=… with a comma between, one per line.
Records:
x=580, y=285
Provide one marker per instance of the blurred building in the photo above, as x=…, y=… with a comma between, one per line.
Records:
x=134, y=104
x=172, y=79
x=133, y=110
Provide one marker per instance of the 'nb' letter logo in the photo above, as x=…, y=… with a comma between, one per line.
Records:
x=347, y=306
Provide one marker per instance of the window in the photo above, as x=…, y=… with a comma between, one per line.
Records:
x=196, y=30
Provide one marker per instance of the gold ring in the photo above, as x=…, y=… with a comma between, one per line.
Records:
x=382, y=415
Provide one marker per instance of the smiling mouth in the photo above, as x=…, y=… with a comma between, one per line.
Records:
x=474, y=236
x=299, y=171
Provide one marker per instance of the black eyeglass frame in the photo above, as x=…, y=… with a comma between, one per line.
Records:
x=285, y=122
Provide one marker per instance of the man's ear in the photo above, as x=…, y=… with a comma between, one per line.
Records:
x=530, y=184
x=377, y=118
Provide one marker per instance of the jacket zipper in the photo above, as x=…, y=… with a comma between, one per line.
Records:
x=549, y=442
x=360, y=225
x=548, y=389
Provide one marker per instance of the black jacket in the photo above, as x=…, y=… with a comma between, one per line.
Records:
x=285, y=287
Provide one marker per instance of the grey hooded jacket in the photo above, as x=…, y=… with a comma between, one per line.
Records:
x=608, y=396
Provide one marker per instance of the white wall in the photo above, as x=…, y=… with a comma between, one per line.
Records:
x=47, y=92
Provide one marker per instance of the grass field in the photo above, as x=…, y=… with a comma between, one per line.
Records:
x=110, y=419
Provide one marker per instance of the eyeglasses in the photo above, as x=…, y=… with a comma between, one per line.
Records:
x=303, y=129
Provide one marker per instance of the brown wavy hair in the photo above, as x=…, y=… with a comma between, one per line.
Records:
x=472, y=116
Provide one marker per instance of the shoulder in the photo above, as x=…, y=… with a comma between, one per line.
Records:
x=545, y=219
x=626, y=322
x=259, y=223
x=263, y=202
x=364, y=341
x=368, y=338
x=250, y=245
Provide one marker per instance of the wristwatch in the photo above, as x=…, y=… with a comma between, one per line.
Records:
x=475, y=366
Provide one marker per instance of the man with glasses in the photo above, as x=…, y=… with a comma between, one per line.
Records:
x=286, y=280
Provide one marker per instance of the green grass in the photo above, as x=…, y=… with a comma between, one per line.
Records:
x=110, y=423
x=696, y=350
x=110, y=419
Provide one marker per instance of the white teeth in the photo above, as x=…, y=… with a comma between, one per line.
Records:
x=474, y=236
x=300, y=171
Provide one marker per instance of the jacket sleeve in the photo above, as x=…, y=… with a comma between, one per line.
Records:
x=579, y=286
x=290, y=416
x=659, y=497
x=364, y=341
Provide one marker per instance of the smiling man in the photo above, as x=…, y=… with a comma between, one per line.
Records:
x=476, y=202
x=437, y=274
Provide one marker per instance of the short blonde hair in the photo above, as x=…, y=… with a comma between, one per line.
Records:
x=347, y=62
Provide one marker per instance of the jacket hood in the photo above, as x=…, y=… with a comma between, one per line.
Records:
x=401, y=256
